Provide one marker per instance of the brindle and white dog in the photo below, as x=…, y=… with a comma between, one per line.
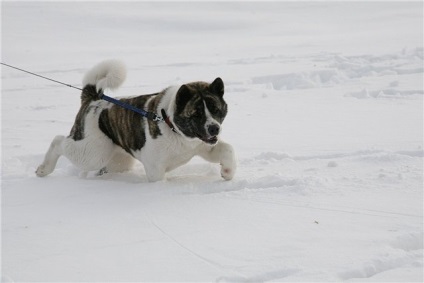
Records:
x=109, y=138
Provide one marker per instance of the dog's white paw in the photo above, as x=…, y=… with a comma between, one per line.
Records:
x=43, y=171
x=228, y=161
x=227, y=173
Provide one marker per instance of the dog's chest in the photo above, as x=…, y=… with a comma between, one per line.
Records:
x=169, y=150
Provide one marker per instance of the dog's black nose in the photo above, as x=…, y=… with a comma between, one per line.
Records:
x=213, y=130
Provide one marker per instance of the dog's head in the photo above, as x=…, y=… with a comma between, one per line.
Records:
x=200, y=110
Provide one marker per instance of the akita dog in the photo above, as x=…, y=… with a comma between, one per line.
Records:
x=109, y=138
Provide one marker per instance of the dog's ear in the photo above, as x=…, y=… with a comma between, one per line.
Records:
x=183, y=96
x=217, y=87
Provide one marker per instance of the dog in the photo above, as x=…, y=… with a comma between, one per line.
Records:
x=108, y=138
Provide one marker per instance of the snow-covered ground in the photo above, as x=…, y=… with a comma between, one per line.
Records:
x=325, y=113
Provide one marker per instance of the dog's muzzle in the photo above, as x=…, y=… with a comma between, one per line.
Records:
x=211, y=140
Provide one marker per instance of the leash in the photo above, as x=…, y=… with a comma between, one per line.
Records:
x=149, y=115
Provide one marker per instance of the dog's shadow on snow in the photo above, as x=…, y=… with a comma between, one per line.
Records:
x=203, y=178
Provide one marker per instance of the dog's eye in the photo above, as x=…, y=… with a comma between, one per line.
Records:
x=197, y=114
x=213, y=109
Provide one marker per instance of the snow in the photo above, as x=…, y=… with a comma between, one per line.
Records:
x=325, y=113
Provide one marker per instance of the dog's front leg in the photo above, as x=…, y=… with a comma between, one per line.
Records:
x=222, y=153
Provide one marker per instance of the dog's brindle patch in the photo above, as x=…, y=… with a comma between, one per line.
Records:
x=88, y=95
x=124, y=127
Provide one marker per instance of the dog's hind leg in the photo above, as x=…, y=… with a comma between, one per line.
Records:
x=51, y=157
x=120, y=162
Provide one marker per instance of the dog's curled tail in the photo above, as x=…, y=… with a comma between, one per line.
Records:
x=109, y=74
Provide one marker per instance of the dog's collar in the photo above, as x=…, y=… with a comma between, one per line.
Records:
x=168, y=121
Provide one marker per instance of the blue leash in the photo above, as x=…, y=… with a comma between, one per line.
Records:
x=149, y=115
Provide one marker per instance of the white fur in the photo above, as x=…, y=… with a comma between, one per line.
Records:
x=158, y=156
x=109, y=74
x=210, y=120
